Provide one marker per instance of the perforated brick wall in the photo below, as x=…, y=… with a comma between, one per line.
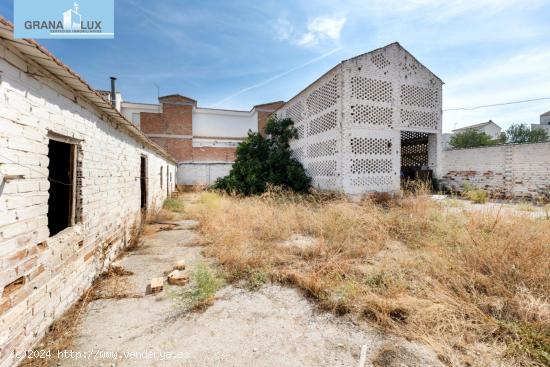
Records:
x=350, y=121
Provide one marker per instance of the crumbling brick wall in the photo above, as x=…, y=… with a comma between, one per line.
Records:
x=40, y=275
x=519, y=171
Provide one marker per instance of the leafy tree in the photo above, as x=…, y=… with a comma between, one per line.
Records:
x=266, y=160
x=520, y=134
x=470, y=139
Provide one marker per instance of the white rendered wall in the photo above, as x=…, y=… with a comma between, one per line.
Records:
x=201, y=174
x=222, y=123
x=57, y=270
x=132, y=110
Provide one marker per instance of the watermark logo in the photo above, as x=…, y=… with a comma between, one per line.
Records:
x=64, y=19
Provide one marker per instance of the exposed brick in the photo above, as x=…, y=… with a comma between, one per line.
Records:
x=55, y=273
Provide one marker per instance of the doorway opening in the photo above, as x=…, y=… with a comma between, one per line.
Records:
x=143, y=182
x=61, y=171
x=414, y=157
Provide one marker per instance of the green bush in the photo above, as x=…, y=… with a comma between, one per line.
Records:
x=266, y=161
x=521, y=134
x=471, y=139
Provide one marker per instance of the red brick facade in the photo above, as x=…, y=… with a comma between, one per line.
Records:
x=264, y=111
x=173, y=129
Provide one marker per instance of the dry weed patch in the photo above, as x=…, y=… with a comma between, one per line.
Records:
x=470, y=284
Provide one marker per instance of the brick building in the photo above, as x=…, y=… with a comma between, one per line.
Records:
x=76, y=180
x=203, y=140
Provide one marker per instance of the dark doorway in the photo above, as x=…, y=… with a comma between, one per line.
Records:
x=143, y=182
x=61, y=177
x=168, y=181
x=414, y=156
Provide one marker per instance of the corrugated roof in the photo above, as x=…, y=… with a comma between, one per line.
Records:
x=41, y=56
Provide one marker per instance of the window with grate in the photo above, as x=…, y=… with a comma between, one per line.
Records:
x=371, y=115
x=370, y=146
x=418, y=96
x=371, y=89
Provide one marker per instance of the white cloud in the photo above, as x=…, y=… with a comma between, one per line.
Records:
x=319, y=29
x=277, y=76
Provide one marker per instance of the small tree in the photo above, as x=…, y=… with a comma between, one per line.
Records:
x=470, y=139
x=520, y=134
x=266, y=160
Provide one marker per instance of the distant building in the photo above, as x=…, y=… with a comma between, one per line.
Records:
x=489, y=128
x=544, y=122
x=203, y=140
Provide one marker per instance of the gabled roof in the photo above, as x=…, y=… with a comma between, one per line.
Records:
x=476, y=126
x=393, y=44
x=40, y=56
x=546, y=114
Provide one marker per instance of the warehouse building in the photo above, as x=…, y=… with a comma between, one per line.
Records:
x=369, y=123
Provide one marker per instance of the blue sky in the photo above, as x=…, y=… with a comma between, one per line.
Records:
x=235, y=54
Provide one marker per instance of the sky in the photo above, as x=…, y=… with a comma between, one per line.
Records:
x=236, y=54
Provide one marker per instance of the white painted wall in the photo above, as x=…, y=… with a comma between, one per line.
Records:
x=492, y=130
x=223, y=123
x=60, y=270
x=201, y=174
x=131, y=110
x=545, y=126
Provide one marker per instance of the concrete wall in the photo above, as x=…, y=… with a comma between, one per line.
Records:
x=510, y=171
x=350, y=120
x=42, y=275
x=201, y=174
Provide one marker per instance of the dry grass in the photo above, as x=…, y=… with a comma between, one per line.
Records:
x=474, y=286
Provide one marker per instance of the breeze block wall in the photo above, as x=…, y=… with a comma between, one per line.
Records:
x=352, y=120
x=514, y=171
x=42, y=275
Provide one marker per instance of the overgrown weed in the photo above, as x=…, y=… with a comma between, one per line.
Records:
x=455, y=280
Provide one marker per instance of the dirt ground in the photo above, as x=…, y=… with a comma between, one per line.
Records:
x=493, y=207
x=125, y=325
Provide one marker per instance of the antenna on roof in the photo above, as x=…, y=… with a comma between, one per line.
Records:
x=158, y=90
